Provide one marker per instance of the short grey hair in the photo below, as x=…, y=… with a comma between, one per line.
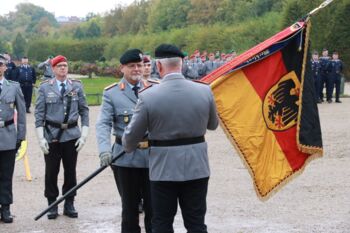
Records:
x=171, y=62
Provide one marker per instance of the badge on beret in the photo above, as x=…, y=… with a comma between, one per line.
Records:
x=12, y=105
x=141, y=57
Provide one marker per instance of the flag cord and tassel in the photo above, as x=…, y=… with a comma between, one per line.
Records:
x=314, y=11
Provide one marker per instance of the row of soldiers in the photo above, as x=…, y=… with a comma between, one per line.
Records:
x=326, y=72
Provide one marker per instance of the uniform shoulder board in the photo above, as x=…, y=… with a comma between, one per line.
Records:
x=110, y=86
x=145, y=88
x=76, y=80
x=14, y=82
x=153, y=81
x=201, y=82
x=45, y=81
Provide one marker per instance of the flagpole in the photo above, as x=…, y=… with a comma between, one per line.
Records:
x=314, y=11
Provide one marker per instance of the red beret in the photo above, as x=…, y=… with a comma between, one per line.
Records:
x=146, y=59
x=192, y=56
x=58, y=59
x=196, y=51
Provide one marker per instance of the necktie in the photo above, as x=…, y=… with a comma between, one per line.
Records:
x=136, y=91
x=63, y=89
x=0, y=88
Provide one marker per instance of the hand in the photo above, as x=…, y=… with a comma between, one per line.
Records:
x=105, y=158
x=81, y=141
x=18, y=144
x=44, y=146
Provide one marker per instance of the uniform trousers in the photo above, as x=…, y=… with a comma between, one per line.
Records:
x=336, y=83
x=7, y=165
x=191, y=196
x=133, y=184
x=27, y=91
x=65, y=152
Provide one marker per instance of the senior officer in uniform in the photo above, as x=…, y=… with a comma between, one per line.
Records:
x=26, y=76
x=131, y=170
x=11, y=98
x=176, y=114
x=59, y=104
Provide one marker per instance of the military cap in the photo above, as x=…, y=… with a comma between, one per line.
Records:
x=131, y=55
x=58, y=59
x=24, y=57
x=146, y=59
x=315, y=53
x=168, y=51
x=324, y=49
x=211, y=54
x=335, y=53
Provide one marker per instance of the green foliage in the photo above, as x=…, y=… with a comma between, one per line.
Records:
x=93, y=30
x=19, y=46
x=74, y=50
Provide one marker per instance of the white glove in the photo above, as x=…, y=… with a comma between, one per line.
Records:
x=44, y=145
x=105, y=158
x=81, y=141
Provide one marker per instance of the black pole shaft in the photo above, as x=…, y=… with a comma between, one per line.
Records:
x=87, y=179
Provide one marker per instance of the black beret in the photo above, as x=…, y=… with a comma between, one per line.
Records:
x=168, y=51
x=131, y=55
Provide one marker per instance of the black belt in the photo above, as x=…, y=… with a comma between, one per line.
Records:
x=141, y=145
x=177, y=142
x=4, y=124
x=61, y=125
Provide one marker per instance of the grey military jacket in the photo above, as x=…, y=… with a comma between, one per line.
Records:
x=11, y=98
x=175, y=109
x=50, y=105
x=209, y=66
x=117, y=109
x=46, y=66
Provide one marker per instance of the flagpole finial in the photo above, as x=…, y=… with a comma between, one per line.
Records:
x=314, y=11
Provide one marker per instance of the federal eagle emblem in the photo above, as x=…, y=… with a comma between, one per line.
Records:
x=281, y=104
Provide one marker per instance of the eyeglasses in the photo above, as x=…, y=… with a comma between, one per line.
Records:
x=62, y=65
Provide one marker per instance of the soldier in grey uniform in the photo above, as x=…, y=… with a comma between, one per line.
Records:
x=59, y=104
x=11, y=98
x=176, y=114
x=210, y=65
x=46, y=66
x=131, y=170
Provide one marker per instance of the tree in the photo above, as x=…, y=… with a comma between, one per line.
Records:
x=78, y=33
x=19, y=46
x=93, y=30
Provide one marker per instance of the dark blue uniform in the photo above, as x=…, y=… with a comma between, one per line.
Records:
x=10, y=73
x=325, y=79
x=316, y=68
x=26, y=77
x=335, y=69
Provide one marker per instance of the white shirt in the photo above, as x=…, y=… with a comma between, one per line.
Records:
x=59, y=84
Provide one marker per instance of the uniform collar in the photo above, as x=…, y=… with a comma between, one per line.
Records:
x=59, y=83
x=2, y=81
x=131, y=86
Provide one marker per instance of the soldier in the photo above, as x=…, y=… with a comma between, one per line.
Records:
x=315, y=68
x=147, y=66
x=11, y=98
x=336, y=67
x=192, y=68
x=26, y=77
x=210, y=65
x=10, y=73
x=59, y=104
x=46, y=66
x=324, y=71
x=131, y=170
x=179, y=168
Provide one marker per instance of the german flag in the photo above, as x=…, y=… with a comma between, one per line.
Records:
x=267, y=105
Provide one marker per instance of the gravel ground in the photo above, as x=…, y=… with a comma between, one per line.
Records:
x=317, y=201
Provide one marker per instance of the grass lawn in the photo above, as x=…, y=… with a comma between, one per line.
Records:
x=94, y=87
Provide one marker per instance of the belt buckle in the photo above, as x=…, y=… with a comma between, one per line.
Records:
x=2, y=124
x=143, y=145
x=64, y=126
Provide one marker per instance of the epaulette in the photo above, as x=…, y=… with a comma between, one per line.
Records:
x=201, y=82
x=75, y=80
x=153, y=81
x=11, y=81
x=110, y=86
x=145, y=88
x=45, y=81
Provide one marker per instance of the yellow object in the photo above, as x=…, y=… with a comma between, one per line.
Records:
x=22, y=154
